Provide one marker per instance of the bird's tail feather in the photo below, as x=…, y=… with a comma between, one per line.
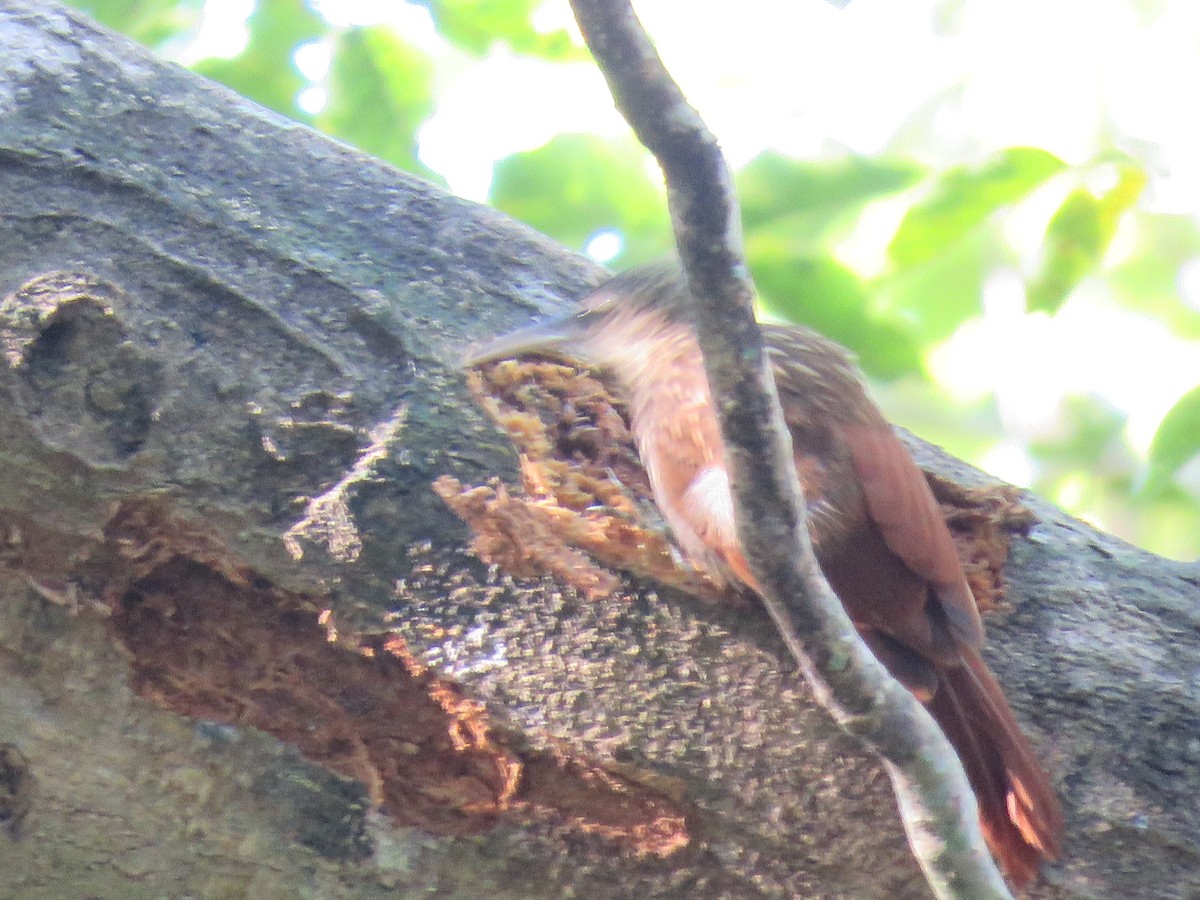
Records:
x=1018, y=808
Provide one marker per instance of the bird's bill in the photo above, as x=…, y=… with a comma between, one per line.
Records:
x=550, y=338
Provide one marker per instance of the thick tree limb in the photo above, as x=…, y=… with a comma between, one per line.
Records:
x=256, y=345
x=938, y=806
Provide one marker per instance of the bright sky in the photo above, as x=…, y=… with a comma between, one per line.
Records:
x=943, y=80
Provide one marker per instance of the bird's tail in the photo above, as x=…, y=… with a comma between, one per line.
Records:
x=1018, y=809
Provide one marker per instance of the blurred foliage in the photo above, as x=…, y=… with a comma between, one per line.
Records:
x=963, y=198
x=152, y=22
x=946, y=239
x=477, y=25
x=380, y=92
x=1078, y=236
x=1176, y=443
x=794, y=214
x=807, y=203
x=263, y=71
x=1148, y=279
x=580, y=185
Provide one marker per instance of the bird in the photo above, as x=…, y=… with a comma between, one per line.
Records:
x=877, y=531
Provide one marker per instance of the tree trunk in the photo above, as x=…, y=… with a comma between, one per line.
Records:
x=245, y=650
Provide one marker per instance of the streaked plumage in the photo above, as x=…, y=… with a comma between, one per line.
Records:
x=878, y=532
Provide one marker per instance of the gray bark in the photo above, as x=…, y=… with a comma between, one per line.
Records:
x=211, y=316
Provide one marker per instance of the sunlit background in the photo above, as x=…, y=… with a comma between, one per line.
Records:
x=994, y=203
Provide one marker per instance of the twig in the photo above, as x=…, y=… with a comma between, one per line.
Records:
x=937, y=805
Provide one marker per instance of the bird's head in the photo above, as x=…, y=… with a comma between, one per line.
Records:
x=628, y=325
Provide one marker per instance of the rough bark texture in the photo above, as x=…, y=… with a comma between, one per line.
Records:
x=228, y=340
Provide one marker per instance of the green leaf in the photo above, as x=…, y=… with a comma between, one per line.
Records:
x=1088, y=435
x=380, y=93
x=1148, y=280
x=578, y=185
x=150, y=22
x=826, y=296
x=962, y=198
x=775, y=190
x=264, y=71
x=1078, y=237
x=1176, y=442
x=475, y=25
x=1169, y=523
x=1075, y=240
x=938, y=297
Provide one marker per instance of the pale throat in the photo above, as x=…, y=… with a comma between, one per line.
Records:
x=659, y=365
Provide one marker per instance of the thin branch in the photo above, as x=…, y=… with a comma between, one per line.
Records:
x=937, y=805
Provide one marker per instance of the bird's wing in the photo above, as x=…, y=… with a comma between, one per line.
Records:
x=899, y=500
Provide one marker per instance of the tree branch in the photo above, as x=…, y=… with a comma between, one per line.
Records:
x=937, y=805
x=278, y=299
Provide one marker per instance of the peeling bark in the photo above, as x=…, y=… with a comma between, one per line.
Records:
x=239, y=340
